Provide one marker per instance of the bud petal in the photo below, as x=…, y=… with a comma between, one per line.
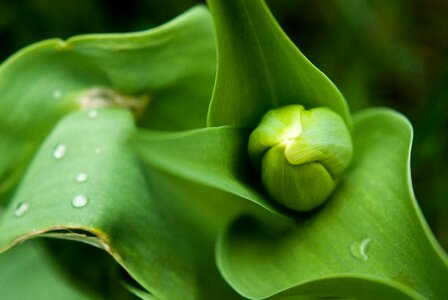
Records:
x=302, y=154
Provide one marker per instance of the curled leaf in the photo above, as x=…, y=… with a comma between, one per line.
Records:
x=370, y=233
x=177, y=58
x=111, y=206
x=259, y=68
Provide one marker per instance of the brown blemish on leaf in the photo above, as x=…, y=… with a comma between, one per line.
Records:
x=105, y=97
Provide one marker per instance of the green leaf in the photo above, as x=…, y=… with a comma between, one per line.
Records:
x=174, y=65
x=27, y=83
x=12, y=153
x=370, y=236
x=259, y=68
x=197, y=213
x=215, y=156
x=111, y=207
x=27, y=272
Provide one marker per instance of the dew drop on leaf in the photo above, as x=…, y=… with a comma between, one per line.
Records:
x=57, y=94
x=21, y=209
x=358, y=249
x=81, y=177
x=80, y=201
x=59, y=151
x=92, y=113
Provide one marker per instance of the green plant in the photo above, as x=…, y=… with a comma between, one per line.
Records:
x=112, y=140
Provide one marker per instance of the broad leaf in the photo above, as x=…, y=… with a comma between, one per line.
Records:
x=172, y=65
x=197, y=213
x=369, y=240
x=84, y=184
x=259, y=68
x=216, y=157
x=27, y=272
x=27, y=83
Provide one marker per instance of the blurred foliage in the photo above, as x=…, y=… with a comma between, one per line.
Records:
x=387, y=53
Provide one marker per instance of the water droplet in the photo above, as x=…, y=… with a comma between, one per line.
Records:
x=21, y=209
x=57, y=94
x=59, y=151
x=98, y=151
x=358, y=249
x=80, y=201
x=81, y=177
x=92, y=113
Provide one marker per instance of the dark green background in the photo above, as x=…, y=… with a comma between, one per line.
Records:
x=382, y=52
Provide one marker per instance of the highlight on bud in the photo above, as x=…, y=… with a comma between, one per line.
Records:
x=301, y=153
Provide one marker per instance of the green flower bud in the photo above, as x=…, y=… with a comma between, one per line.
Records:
x=302, y=154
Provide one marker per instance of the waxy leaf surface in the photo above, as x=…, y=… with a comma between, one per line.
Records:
x=115, y=207
x=27, y=268
x=214, y=156
x=369, y=240
x=259, y=68
x=173, y=65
